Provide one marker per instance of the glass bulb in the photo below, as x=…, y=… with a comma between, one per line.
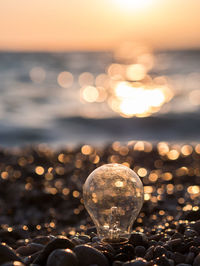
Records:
x=113, y=196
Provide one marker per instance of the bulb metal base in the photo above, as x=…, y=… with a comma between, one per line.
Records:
x=119, y=241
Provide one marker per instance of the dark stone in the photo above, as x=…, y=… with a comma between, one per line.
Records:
x=29, y=249
x=128, y=249
x=13, y=263
x=156, y=237
x=190, y=257
x=191, y=215
x=152, y=243
x=194, y=249
x=62, y=257
x=140, y=251
x=95, y=239
x=138, y=239
x=43, y=240
x=177, y=235
x=77, y=241
x=196, y=226
x=183, y=264
x=159, y=251
x=197, y=260
x=149, y=253
x=190, y=233
x=7, y=254
x=117, y=263
x=170, y=255
x=179, y=258
x=171, y=262
x=91, y=230
x=162, y=261
x=31, y=258
x=174, y=243
x=182, y=248
x=84, y=238
x=136, y=262
x=108, y=255
x=58, y=243
x=122, y=257
x=88, y=255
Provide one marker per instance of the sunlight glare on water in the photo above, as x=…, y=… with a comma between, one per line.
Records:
x=126, y=86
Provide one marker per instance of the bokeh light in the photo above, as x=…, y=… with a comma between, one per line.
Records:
x=37, y=74
x=65, y=79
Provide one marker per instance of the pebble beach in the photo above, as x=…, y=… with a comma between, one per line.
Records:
x=43, y=220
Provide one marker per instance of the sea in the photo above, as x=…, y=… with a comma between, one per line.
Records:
x=40, y=100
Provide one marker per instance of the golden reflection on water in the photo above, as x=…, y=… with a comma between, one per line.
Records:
x=126, y=86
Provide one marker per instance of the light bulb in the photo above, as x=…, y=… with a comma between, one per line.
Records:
x=113, y=196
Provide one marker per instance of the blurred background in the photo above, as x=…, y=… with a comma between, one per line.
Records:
x=92, y=71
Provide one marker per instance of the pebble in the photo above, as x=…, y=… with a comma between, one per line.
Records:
x=190, y=257
x=7, y=254
x=58, y=243
x=88, y=255
x=84, y=238
x=163, y=261
x=95, y=239
x=197, y=260
x=43, y=240
x=138, y=239
x=136, y=262
x=196, y=226
x=149, y=253
x=159, y=251
x=179, y=258
x=190, y=233
x=117, y=263
x=127, y=249
x=13, y=263
x=29, y=249
x=140, y=251
x=183, y=264
x=62, y=257
x=31, y=258
x=121, y=257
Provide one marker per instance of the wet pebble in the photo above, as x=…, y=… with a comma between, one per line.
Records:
x=29, y=249
x=7, y=254
x=136, y=262
x=179, y=258
x=43, y=240
x=138, y=239
x=84, y=238
x=58, y=243
x=159, y=251
x=62, y=257
x=197, y=260
x=88, y=255
x=13, y=263
x=140, y=251
x=149, y=253
x=117, y=263
x=121, y=257
x=163, y=261
x=190, y=258
x=190, y=233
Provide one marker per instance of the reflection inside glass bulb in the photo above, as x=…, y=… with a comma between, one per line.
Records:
x=113, y=196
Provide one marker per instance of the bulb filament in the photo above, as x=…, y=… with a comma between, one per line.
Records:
x=114, y=224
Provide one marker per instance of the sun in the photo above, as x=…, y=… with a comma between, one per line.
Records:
x=133, y=4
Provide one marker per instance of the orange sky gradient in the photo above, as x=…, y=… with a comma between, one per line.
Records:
x=96, y=25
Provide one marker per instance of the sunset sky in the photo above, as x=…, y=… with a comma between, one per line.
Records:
x=98, y=24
